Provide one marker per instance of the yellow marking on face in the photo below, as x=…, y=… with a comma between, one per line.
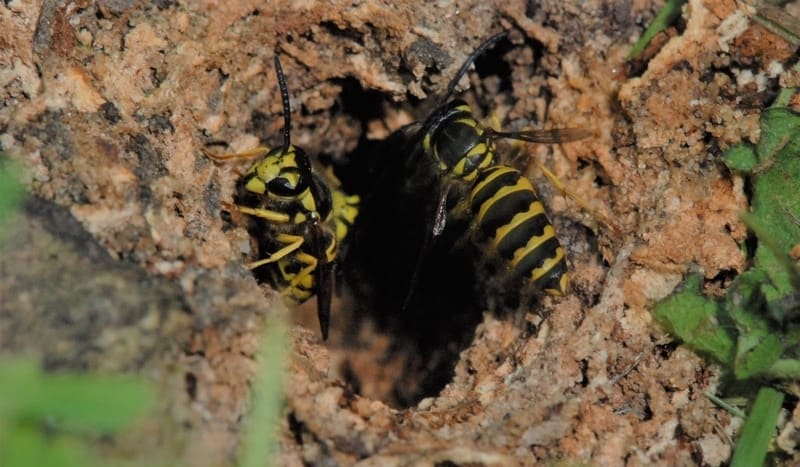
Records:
x=256, y=185
x=271, y=167
x=307, y=201
x=274, y=162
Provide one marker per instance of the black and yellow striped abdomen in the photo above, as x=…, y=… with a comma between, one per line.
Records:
x=510, y=221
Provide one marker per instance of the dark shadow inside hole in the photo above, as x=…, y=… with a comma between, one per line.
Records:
x=348, y=33
x=363, y=104
x=492, y=63
x=427, y=334
x=724, y=277
x=665, y=350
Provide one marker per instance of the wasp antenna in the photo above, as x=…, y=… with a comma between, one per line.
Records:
x=287, y=110
x=474, y=55
x=305, y=164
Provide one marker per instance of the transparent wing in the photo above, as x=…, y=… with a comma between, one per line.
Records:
x=552, y=136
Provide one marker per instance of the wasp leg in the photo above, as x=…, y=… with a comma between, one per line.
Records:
x=580, y=201
x=304, y=274
x=259, y=151
x=272, y=216
x=292, y=242
x=313, y=269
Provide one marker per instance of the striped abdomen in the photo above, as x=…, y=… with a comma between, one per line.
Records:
x=511, y=221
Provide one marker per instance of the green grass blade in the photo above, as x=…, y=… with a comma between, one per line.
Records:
x=751, y=449
x=732, y=409
x=11, y=190
x=260, y=438
x=670, y=11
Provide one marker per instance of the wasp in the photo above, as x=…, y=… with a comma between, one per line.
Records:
x=301, y=217
x=470, y=182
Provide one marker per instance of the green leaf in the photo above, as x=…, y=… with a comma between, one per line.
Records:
x=785, y=369
x=757, y=343
x=89, y=403
x=79, y=403
x=19, y=389
x=751, y=449
x=780, y=128
x=775, y=202
x=756, y=354
x=26, y=445
x=695, y=320
x=741, y=157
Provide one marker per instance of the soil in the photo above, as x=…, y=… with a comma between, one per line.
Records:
x=125, y=259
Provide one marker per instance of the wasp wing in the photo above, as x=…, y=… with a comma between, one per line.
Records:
x=323, y=275
x=551, y=136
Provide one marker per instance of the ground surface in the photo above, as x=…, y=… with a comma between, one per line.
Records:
x=129, y=266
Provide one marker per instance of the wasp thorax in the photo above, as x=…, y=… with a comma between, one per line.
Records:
x=458, y=142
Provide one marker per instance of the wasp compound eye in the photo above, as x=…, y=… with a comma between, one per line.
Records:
x=291, y=183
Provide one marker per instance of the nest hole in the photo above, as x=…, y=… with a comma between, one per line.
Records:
x=412, y=301
x=408, y=309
